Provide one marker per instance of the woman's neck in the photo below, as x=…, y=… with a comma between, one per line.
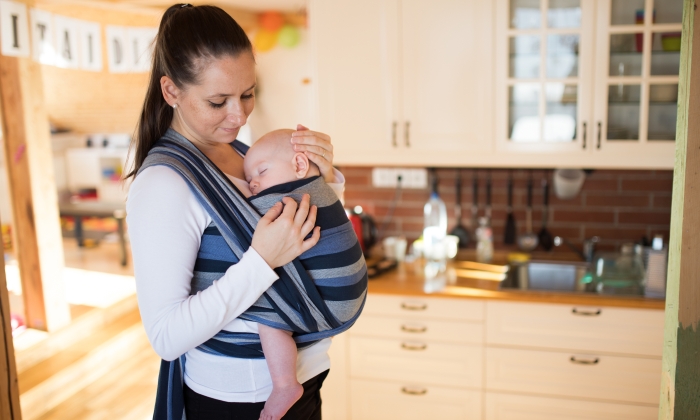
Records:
x=222, y=155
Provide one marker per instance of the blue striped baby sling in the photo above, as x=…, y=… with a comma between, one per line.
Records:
x=318, y=295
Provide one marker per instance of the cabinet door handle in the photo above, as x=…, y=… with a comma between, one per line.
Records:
x=414, y=306
x=414, y=328
x=595, y=361
x=393, y=133
x=585, y=126
x=414, y=391
x=586, y=313
x=414, y=346
x=600, y=125
x=407, y=134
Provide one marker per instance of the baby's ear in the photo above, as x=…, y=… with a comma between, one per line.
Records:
x=301, y=165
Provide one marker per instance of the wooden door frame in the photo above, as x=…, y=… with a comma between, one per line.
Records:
x=9, y=389
x=680, y=382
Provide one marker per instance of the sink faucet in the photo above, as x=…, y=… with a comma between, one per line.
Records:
x=588, y=247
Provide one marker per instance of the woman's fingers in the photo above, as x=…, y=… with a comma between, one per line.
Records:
x=302, y=210
x=272, y=214
x=313, y=240
x=310, y=222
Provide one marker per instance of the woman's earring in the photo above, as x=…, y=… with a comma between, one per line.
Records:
x=174, y=106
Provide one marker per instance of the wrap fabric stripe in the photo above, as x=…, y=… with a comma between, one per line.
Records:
x=294, y=302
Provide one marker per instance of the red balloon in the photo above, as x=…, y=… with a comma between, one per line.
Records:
x=271, y=21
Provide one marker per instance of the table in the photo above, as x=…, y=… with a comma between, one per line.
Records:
x=100, y=209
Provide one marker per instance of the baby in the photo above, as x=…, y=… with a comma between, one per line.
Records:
x=272, y=162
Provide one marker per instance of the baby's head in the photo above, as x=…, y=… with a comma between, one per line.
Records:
x=272, y=161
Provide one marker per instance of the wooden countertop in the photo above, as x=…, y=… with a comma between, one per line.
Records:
x=408, y=279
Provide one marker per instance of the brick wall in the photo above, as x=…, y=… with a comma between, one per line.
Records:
x=617, y=206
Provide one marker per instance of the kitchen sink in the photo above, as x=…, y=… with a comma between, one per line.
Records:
x=547, y=276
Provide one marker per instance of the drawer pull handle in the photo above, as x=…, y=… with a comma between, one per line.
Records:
x=414, y=346
x=414, y=329
x=586, y=313
x=414, y=306
x=584, y=361
x=414, y=391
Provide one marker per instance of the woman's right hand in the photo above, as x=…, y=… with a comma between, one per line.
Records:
x=279, y=235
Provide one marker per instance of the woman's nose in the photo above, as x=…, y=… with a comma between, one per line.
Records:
x=237, y=115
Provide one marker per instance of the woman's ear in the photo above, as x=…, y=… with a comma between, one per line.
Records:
x=170, y=91
x=301, y=165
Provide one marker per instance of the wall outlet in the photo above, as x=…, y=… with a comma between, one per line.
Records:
x=414, y=178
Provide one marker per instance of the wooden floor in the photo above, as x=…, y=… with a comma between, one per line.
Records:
x=127, y=392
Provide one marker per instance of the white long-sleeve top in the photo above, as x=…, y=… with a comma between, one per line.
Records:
x=166, y=223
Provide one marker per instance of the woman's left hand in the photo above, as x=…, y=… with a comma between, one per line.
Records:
x=317, y=147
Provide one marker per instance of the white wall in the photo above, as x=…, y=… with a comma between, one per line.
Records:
x=283, y=100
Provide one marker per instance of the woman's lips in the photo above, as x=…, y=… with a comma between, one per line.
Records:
x=230, y=130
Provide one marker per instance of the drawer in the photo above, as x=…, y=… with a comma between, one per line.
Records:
x=518, y=407
x=613, y=378
x=416, y=361
x=425, y=307
x=418, y=329
x=586, y=329
x=374, y=400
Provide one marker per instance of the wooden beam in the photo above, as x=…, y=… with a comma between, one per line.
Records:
x=680, y=382
x=27, y=147
x=9, y=389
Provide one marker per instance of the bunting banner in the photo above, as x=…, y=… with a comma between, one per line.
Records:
x=70, y=43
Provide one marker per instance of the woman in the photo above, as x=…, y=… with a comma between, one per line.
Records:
x=200, y=94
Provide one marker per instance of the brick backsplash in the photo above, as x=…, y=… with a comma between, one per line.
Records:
x=616, y=205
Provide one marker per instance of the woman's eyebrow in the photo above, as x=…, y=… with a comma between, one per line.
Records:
x=221, y=95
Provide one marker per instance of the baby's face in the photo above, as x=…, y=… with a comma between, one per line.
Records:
x=266, y=166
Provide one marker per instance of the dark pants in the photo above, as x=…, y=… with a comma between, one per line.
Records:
x=199, y=407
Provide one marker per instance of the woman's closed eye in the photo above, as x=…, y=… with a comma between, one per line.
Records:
x=215, y=105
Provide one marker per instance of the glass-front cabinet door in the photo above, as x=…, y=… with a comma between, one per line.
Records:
x=638, y=60
x=544, y=72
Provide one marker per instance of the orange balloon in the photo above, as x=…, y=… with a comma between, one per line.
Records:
x=264, y=40
x=271, y=21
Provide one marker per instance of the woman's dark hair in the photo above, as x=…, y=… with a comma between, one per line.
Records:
x=186, y=36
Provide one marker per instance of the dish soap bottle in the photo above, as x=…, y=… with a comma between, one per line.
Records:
x=434, y=232
x=484, y=241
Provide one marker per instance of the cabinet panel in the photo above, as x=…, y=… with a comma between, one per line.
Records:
x=517, y=407
x=374, y=400
x=416, y=361
x=447, y=59
x=418, y=329
x=425, y=307
x=602, y=377
x=613, y=330
x=356, y=56
x=335, y=389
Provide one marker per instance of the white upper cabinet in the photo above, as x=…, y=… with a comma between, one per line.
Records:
x=357, y=80
x=405, y=81
x=544, y=75
x=447, y=93
x=590, y=83
x=637, y=80
x=502, y=83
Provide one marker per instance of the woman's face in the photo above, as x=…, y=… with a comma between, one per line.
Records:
x=214, y=110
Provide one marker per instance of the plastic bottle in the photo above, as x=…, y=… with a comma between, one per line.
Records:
x=484, y=241
x=434, y=231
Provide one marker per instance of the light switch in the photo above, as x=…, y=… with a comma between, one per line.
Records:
x=414, y=178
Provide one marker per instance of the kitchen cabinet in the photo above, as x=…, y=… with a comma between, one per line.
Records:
x=404, y=81
x=588, y=83
x=419, y=357
x=519, y=407
x=609, y=355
